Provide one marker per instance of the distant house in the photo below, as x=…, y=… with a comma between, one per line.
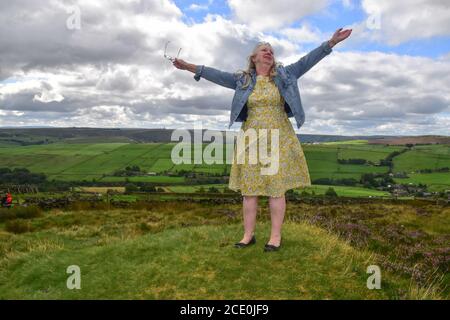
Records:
x=399, y=192
x=151, y=173
x=399, y=175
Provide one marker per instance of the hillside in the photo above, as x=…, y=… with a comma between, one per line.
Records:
x=411, y=140
x=346, y=163
x=26, y=136
x=164, y=250
x=196, y=263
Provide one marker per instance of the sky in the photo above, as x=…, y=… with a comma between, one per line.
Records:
x=100, y=63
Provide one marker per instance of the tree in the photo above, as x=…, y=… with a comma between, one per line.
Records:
x=213, y=190
x=148, y=188
x=330, y=192
x=130, y=187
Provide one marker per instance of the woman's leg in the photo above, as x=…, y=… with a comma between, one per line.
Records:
x=277, y=209
x=250, y=208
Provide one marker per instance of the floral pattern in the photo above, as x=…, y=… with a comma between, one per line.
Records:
x=266, y=111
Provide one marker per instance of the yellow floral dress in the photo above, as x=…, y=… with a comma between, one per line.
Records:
x=266, y=111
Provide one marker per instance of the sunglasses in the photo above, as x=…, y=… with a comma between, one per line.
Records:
x=167, y=56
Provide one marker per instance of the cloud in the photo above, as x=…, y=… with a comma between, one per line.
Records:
x=270, y=15
x=112, y=73
x=395, y=22
x=347, y=4
x=199, y=7
x=48, y=94
x=367, y=90
x=304, y=34
x=34, y=34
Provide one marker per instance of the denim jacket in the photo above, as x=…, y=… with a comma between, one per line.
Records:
x=286, y=81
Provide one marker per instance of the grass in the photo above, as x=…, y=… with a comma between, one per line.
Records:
x=373, y=153
x=341, y=191
x=155, y=179
x=196, y=188
x=88, y=161
x=198, y=263
x=322, y=163
x=344, y=191
x=436, y=181
x=345, y=142
x=423, y=157
x=102, y=189
x=183, y=250
x=78, y=161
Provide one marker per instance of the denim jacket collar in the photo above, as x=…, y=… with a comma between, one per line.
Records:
x=253, y=74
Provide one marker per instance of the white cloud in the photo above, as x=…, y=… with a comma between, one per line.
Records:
x=48, y=96
x=404, y=20
x=304, y=34
x=200, y=7
x=112, y=73
x=269, y=15
x=347, y=3
x=364, y=92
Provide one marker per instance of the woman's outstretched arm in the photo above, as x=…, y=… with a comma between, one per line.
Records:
x=225, y=79
x=305, y=63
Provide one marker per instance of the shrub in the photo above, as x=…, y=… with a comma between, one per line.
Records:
x=20, y=212
x=130, y=187
x=213, y=190
x=18, y=226
x=27, y=212
x=87, y=205
x=330, y=192
x=21, y=176
x=148, y=188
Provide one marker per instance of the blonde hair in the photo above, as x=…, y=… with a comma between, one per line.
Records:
x=251, y=65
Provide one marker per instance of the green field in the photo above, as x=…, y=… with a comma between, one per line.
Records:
x=346, y=142
x=435, y=181
x=342, y=191
x=423, y=157
x=373, y=153
x=322, y=161
x=88, y=161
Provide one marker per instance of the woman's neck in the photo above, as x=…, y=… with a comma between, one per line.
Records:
x=262, y=69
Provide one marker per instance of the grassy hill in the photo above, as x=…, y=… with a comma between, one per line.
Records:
x=164, y=250
x=197, y=263
x=426, y=139
x=30, y=136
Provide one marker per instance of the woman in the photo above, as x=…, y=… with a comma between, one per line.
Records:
x=266, y=95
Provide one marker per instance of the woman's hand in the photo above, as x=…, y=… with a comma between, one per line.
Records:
x=181, y=64
x=339, y=36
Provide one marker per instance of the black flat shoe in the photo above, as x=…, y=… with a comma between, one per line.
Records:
x=244, y=245
x=271, y=247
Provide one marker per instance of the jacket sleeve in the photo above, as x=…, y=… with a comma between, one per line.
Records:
x=225, y=79
x=308, y=61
